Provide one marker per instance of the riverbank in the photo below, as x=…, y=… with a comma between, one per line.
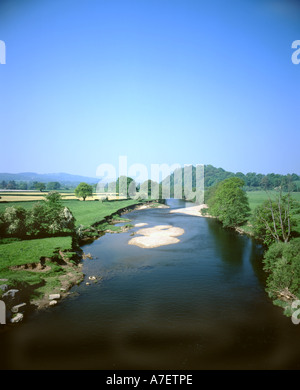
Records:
x=33, y=272
x=197, y=212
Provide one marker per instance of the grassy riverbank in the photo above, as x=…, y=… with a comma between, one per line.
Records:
x=52, y=265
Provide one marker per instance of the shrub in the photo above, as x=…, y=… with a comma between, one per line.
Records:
x=282, y=261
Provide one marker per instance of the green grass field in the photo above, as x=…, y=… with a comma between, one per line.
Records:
x=86, y=213
x=258, y=197
x=29, y=251
x=19, y=253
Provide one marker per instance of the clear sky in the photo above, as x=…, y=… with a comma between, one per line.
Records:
x=159, y=81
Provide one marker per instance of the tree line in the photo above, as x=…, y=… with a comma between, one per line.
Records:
x=212, y=176
x=34, y=185
x=252, y=181
x=274, y=223
x=47, y=218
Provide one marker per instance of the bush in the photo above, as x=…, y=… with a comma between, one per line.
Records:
x=14, y=221
x=229, y=203
x=282, y=261
x=46, y=218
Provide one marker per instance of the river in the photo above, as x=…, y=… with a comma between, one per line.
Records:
x=197, y=304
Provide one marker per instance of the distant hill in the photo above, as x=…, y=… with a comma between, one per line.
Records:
x=252, y=180
x=212, y=176
x=63, y=178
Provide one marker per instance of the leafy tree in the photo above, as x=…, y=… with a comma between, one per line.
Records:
x=146, y=187
x=83, y=190
x=50, y=217
x=3, y=184
x=282, y=262
x=274, y=220
x=126, y=183
x=229, y=203
x=53, y=185
x=54, y=199
x=23, y=185
x=11, y=185
x=40, y=186
x=14, y=221
x=38, y=220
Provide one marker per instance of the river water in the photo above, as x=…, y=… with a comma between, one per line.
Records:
x=197, y=304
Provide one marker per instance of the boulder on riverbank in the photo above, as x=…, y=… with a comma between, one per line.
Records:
x=17, y=318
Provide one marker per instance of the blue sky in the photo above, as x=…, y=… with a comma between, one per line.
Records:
x=160, y=81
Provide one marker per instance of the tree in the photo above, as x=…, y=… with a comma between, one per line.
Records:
x=50, y=217
x=126, y=186
x=53, y=185
x=282, y=262
x=229, y=203
x=11, y=185
x=274, y=220
x=40, y=186
x=3, y=184
x=23, y=185
x=54, y=199
x=14, y=221
x=83, y=190
x=148, y=188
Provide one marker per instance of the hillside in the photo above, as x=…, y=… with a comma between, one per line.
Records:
x=253, y=181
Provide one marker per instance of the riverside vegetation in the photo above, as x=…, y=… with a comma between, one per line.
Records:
x=40, y=243
x=43, y=238
x=275, y=221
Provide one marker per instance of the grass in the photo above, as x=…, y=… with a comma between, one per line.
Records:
x=86, y=213
x=15, y=252
x=258, y=197
x=89, y=213
x=18, y=253
x=28, y=196
x=30, y=251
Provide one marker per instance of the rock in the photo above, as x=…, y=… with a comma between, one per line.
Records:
x=16, y=308
x=54, y=296
x=92, y=277
x=87, y=283
x=3, y=280
x=3, y=287
x=10, y=293
x=63, y=289
x=17, y=318
x=53, y=302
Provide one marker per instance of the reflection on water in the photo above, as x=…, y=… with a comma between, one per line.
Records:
x=197, y=304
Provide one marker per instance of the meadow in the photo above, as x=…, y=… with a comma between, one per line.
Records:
x=14, y=253
x=258, y=197
x=28, y=196
x=86, y=213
